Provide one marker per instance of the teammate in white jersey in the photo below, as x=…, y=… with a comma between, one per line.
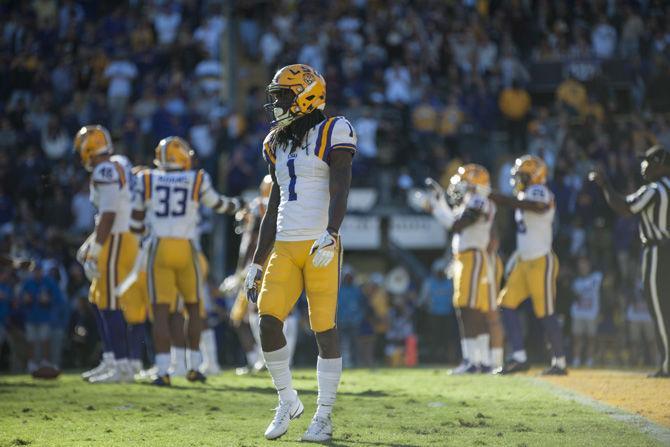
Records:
x=168, y=199
x=109, y=253
x=309, y=158
x=471, y=223
x=535, y=265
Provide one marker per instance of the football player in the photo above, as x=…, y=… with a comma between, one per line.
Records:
x=169, y=199
x=535, y=266
x=470, y=222
x=108, y=254
x=309, y=157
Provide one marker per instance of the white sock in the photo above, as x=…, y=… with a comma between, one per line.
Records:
x=328, y=372
x=473, y=351
x=559, y=361
x=497, y=358
x=483, y=343
x=162, y=363
x=277, y=363
x=178, y=357
x=193, y=359
x=252, y=358
x=208, y=347
x=108, y=358
x=520, y=356
x=464, y=350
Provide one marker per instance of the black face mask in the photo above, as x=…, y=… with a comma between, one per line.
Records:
x=280, y=100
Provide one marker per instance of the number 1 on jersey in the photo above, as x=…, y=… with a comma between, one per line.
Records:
x=291, y=185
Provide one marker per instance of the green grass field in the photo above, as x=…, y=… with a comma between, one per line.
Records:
x=399, y=407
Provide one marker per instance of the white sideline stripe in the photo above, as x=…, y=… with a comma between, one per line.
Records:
x=641, y=423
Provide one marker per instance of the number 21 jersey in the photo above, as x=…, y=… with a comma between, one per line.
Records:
x=303, y=178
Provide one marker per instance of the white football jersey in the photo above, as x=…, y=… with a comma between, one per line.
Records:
x=534, y=230
x=172, y=199
x=478, y=234
x=303, y=177
x=112, y=184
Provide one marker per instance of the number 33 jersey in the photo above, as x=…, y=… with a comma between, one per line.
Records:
x=303, y=177
x=172, y=199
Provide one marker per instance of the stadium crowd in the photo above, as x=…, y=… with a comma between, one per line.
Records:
x=427, y=85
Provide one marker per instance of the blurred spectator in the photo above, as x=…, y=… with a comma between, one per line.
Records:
x=603, y=39
x=121, y=72
x=514, y=103
x=437, y=297
x=400, y=329
x=378, y=302
x=55, y=140
x=40, y=298
x=641, y=332
x=6, y=299
x=350, y=313
x=584, y=312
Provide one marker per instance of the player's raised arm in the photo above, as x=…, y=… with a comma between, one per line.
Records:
x=622, y=205
x=212, y=199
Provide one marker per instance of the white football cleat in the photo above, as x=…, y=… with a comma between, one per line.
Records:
x=112, y=375
x=284, y=412
x=147, y=374
x=101, y=368
x=319, y=430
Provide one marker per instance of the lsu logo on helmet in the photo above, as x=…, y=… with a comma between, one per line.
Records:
x=294, y=91
x=528, y=170
x=173, y=153
x=90, y=141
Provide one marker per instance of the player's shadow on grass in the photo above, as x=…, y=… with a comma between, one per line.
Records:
x=5, y=385
x=270, y=390
x=348, y=442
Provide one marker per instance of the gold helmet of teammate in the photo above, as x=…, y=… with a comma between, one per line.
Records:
x=475, y=175
x=528, y=170
x=295, y=90
x=91, y=141
x=468, y=177
x=173, y=153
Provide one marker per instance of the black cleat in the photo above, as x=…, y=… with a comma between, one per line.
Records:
x=660, y=374
x=513, y=367
x=555, y=371
x=195, y=376
x=161, y=380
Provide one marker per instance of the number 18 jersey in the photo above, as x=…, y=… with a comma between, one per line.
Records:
x=303, y=178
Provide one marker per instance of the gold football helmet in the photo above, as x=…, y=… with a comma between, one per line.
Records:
x=528, y=170
x=90, y=141
x=467, y=178
x=173, y=153
x=475, y=175
x=295, y=90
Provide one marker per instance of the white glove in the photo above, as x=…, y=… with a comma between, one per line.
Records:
x=91, y=263
x=324, y=247
x=252, y=283
x=83, y=250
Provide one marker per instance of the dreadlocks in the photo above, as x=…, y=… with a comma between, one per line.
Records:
x=293, y=134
